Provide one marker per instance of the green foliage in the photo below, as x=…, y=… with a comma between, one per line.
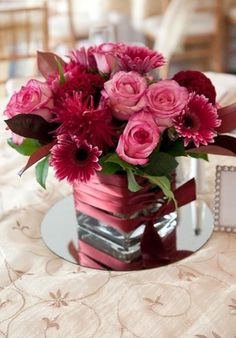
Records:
x=114, y=158
x=60, y=71
x=177, y=148
x=109, y=168
x=160, y=164
x=112, y=163
x=27, y=148
x=202, y=156
x=132, y=184
x=41, y=171
x=163, y=183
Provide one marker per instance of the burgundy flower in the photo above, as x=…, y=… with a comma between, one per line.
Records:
x=198, y=121
x=81, y=118
x=139, y=59
x=77, y=79
x=74, y=160
x=196, y=82
x=86, y=83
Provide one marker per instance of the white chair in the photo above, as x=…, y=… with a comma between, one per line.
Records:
x=202, y=40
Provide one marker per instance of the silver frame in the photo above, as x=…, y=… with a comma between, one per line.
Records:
x=218, y=199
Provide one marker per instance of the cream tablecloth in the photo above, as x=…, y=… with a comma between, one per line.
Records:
x=42, y=295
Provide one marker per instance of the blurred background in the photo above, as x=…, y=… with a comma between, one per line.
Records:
x=191, y=33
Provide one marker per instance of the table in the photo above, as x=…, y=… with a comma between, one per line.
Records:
x=42, y=295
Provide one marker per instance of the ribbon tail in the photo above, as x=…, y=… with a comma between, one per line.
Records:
x=152, y=248
x=155, y=249
x=228, y=118
x=223, y=145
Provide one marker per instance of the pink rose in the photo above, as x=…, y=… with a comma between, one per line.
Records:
x=105, y=56
x=140, y=137
x=83, y=57
x=34, y=98
x=126, y=93
x=166, y=99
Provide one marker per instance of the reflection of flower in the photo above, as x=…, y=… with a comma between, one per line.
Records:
x=74, y=160
x=197, y=121
x=58, y=300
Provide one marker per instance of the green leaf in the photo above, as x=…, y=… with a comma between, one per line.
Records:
x=177, y=148
x=164, y=184
x=27, y=148
x=41, y=171
x=114, y=158
x=110, y=168
x=202, y=156
x=160, y=164
x=132, y=184
x=60, y=70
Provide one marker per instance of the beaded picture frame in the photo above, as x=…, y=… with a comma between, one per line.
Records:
x=225, y=199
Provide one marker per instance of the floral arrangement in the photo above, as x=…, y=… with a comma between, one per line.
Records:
x=104, y=109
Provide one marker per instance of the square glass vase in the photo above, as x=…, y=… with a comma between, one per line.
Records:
x=111, y=218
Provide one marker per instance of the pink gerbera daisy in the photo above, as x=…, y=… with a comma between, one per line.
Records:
x=74, y=160
x=139, y=59
x=197, y=122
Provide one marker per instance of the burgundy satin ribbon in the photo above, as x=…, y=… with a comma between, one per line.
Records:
x=155, y=251
x=104, y=199
x=228, y=118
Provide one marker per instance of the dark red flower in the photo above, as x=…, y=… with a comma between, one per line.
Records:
x=196, y=82
x=88, y=123
x=78, y=79
x=74, y=160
